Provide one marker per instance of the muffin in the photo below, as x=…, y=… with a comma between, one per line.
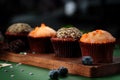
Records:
x=39, y=39
x=18, y=31
x=1, y=40
x=66, y=43
x=16, y=46
x=98, y=44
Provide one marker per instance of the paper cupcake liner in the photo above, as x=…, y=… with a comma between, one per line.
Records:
x=66, y=48
x=41, y=45
x=10, y=37
x=101, y=53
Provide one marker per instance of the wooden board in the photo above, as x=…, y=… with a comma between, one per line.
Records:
x=74, y=65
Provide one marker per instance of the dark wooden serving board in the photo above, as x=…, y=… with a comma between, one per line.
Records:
x=74, y=65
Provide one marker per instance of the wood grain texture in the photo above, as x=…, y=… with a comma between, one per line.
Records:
x=74, y=65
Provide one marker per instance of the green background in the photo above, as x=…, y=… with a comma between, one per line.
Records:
x=25, y=72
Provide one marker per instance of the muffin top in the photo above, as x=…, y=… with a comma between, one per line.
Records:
x=42, y=31
x=97, y=36
x=19, y=28
x=71, y=32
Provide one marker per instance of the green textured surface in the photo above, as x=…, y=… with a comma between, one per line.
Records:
x=25, y=72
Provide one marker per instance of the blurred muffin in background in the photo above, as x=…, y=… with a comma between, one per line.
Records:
x=18, y=31
x=1, y=40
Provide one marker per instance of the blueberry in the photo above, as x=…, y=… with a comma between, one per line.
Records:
x=62, y=71
x=53, y=74
x=87, y=60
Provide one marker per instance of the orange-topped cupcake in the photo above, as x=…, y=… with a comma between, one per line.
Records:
x=39, y=39
x=98, y=44
x=98, y=36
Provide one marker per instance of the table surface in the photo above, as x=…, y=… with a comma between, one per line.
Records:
x=19, y=71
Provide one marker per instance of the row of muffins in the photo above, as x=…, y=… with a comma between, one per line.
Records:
x=66, y=42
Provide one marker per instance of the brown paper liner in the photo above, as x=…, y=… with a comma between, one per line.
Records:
x=10, y=37
x=66, y=48
x=41, y=45
x=101, y=53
